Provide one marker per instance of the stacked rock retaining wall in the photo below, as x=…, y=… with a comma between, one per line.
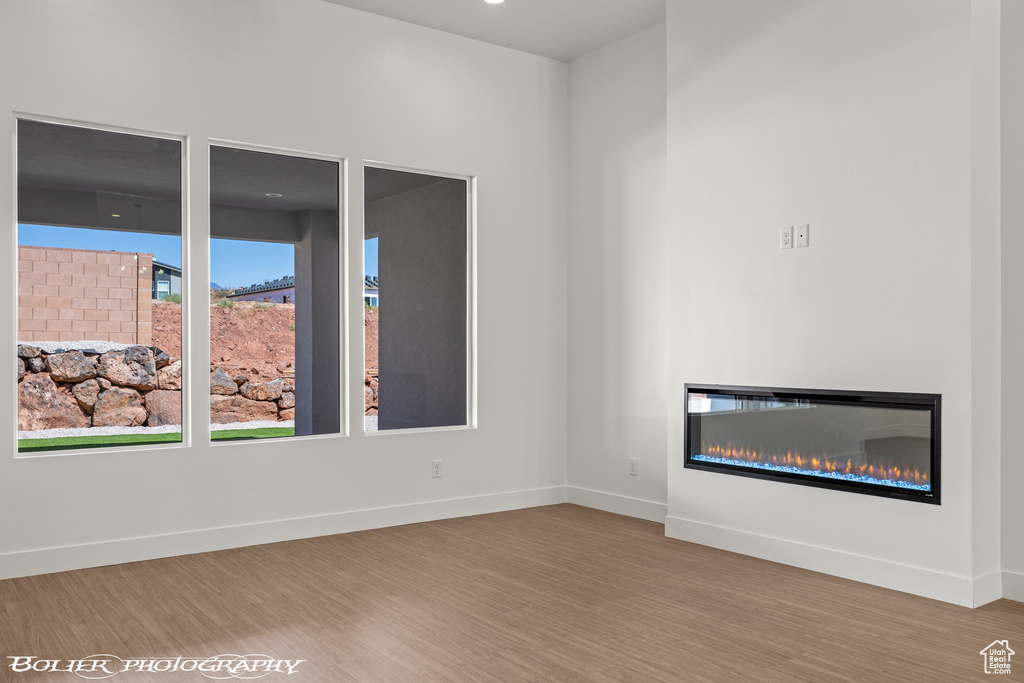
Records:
x=125, y=387
x=236, y=399
x=131, y=387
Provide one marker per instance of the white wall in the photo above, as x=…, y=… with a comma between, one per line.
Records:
x=618, y=277
x=304, y=75
x=1012, y=126
x=855, y=117
x=986, y=344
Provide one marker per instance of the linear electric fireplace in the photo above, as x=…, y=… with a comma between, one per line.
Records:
x=882, y=444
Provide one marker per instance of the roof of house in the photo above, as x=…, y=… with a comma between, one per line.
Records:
x=285, y=282
x=370, y=282
x=166, y=266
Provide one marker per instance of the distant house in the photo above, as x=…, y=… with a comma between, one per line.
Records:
x=166, y=280
x=370, y=286
x=281, y=291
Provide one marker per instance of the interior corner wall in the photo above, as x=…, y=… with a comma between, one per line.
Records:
x=308, y=76
x=618, y=279
x=1012, y=128
x=854, y=117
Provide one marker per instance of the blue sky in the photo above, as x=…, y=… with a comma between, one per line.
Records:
x=233, y=263
x=165, y=248
x=236, y=263
x=370, y=256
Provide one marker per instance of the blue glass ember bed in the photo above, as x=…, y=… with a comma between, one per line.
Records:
x=878, y=443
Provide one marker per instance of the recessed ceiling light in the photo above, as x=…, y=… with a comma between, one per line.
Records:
x=494, y=2
x=275, y=195
x=115, y=215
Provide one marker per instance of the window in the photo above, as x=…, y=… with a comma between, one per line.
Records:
x=420, y=375
x=275, y=314
x=96, y=207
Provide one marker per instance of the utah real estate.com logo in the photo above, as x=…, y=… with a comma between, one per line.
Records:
x=997, y=657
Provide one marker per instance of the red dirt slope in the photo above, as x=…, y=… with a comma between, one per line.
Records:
x=255, y=339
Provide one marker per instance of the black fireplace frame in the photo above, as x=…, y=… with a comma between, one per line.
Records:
x=881, y=399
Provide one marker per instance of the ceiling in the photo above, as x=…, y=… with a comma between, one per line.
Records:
x=71, y=175
x=85, y=159
x=379, y=183
x=559, y=29
x=243, y=178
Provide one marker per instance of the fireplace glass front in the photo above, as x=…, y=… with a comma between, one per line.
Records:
x=877, y=443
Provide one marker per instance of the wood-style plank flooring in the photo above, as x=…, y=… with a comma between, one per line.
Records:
x=560, y=593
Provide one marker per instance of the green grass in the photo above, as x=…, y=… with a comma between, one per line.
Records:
x=265, y=433
x=62, y=443
x=65, y=443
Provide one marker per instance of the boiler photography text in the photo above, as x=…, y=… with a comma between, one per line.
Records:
x=105, y=666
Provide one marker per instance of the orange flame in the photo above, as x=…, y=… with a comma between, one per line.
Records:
x=815, y=462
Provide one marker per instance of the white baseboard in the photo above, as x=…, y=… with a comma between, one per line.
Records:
x=988, y=588
x=620, y=505
x=959, y=590
x=66, y=558
x=1013, y=586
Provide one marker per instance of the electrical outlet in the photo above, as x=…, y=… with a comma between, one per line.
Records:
x=435, y=469
x=803, y=235
x=786, y=237
x=634, y=467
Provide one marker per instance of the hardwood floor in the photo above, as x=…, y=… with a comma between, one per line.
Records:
x=560, y=593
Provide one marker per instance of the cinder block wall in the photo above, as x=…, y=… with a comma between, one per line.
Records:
x=80, y=294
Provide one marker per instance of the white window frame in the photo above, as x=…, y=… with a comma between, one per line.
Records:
x=186, y=355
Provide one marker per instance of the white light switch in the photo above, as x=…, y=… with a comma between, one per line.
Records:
x=786, y=237
x=803, y=235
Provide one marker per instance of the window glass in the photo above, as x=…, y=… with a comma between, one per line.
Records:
x=99, y=353
x=274, y=299
x=416, y=340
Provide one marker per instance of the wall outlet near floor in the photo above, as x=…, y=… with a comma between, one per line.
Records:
x=634, y=467
x=435, y=469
